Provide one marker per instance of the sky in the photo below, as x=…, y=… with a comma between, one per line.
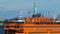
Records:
x=11, y=8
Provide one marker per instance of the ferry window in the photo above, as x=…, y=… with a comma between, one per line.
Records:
x=7, y=26
x=20, y=26
x=14, y=26
x=17, y=26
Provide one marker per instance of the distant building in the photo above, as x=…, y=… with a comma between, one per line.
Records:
x=58, y=17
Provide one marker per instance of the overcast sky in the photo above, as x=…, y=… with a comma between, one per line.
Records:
x=11, y=8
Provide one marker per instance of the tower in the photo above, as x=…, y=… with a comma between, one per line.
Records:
x=35, y=12
x=20, y=13
x=35, y=9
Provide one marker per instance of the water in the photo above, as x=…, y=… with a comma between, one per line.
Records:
x=1, y=30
